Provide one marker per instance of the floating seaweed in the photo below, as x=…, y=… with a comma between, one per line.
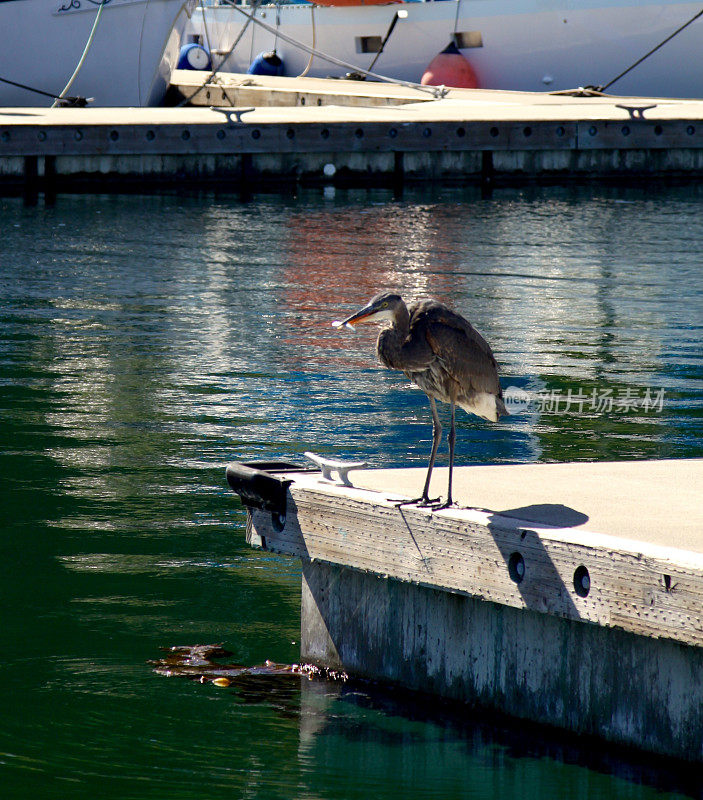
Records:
x=268, y=683
x=197, y=663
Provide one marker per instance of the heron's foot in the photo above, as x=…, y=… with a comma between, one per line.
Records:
x=439, y=504
x=420, y=502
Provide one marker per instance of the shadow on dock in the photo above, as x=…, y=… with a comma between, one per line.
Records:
x=553, y=515
x=546, y=591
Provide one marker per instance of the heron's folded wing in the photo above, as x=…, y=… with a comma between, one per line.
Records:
x=416, y=353
x=464, y=353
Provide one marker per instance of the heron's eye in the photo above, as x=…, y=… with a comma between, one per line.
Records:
x=385, y=305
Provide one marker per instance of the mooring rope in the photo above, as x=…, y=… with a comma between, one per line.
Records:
x=214, y=72
x=436, y=91
x=314, y=41
x=647, y=55
x=38, y=91
x=384, y=42
x=83, y=57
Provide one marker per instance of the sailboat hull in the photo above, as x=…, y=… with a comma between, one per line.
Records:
x=129, y=62
x=528, y=45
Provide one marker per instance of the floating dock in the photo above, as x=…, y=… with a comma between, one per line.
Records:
x=246, y=133
x=565, y=594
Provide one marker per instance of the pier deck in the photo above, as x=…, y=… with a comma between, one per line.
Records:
x=330, y=131
x=570, y=594
x=651, y=502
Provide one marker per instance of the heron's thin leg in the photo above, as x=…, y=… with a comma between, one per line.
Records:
x=436, y=436
x=451, y=439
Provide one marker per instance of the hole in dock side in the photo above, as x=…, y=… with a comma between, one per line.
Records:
x=592, y=131
x=582, y=581
x=392, y=132
x=516, y=567
x=359, y=133
x=561, y=131
x=185, y=135
x=324, y=133
x=150, y=136
x=527, y=131
x=5, y=136
x=461, y=132
x=41, y=136
x=625, y=130
x=690, y=130
x=278, y=521
x=114, y=135
x=290, y=133
x=427, y=132
x=658, y=130
x=221, y=134
x=256, y=134
x=78, y=135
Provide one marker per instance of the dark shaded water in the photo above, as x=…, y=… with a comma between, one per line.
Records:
x=147, y=341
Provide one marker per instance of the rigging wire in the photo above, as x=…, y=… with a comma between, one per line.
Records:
x=278, y=23
x=208, y=41
x=456, y=16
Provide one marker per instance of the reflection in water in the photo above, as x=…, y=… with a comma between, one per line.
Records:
x=438, y=751
x=358, y=733
x=147, y=341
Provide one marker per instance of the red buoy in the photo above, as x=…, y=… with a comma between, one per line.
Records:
x=450, y=68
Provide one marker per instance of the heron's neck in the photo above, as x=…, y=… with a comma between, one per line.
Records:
x=390, y=339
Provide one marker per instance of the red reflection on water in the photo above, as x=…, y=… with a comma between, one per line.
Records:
x=337, y=259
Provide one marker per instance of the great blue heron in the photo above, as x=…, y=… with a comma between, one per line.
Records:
x=442, y=354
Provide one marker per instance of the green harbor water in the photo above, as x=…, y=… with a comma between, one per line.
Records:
x=149, y=340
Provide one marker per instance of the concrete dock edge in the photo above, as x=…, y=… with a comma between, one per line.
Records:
x=578, y=606
x=584, y=678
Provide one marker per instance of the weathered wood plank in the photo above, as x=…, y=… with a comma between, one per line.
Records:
x=645, y=589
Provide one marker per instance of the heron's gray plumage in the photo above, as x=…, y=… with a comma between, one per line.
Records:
x=440, y=352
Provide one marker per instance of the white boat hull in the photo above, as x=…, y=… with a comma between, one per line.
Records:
x=528, y=45
x=128, y=64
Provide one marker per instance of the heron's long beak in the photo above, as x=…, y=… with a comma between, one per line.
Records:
x=364, y=314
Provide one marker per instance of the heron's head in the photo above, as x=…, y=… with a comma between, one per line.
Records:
x=381, y=307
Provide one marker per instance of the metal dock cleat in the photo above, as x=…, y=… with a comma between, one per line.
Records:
x=330, y=465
